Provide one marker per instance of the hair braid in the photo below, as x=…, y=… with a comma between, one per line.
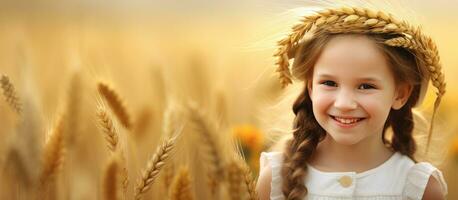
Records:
x=402, y=123
x=307, y=134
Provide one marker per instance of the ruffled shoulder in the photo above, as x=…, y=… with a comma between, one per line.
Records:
x=275, y=160
x=417, y=179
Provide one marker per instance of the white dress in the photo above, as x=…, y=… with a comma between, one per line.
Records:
x=397, y=178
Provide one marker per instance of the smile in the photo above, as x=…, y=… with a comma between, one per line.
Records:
x=346, y=120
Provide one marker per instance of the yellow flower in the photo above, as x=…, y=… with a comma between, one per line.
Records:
x=250, y=136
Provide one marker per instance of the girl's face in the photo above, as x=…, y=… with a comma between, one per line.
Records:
x=353, y=89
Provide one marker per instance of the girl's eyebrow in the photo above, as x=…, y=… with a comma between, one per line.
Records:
x=368, y=79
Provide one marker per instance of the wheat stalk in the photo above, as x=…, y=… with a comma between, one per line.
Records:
x=115, y=103
x=234, y=178
x=249, y=181
x=112, y=139
x=10, y=94
x=154, y=166
x=171, y=118
x=111, y=179
x=143, y=121
x=124, y=176
x=74, y=101
x=53, y=154
x=14, y=164
x=207, y=132
x=111, y=134
x=167, y=176
x=221, y=109
x=181, y=186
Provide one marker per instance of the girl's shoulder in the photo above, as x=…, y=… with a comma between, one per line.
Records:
x=271, y=158
x=418, y=178
x=273, y=162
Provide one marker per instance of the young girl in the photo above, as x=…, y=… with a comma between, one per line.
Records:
x=363, y=72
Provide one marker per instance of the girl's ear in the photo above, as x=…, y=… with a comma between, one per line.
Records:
x=402, y=95
x=308, y=85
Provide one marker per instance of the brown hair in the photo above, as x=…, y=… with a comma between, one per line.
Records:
x=307, y=133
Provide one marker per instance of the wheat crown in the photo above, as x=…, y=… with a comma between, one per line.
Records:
x=366, y=21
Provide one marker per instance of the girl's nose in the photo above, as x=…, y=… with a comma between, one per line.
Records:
x=345, y=101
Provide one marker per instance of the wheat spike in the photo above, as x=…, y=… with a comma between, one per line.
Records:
x=143, y=121
x=53, y=154
x=124, y=176
x=167, y=177
x=235, y=179
x=15, y=166
x=116, y=104
x=181, y=186
x=112, y=138
x=249, y=181
x=111, y=134
x=207, y=130
x=10, y=94
x=172, y=119
x=74, y=102
x=154, y=166
x=111, y=181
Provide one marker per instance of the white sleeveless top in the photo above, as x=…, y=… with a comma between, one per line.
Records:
x=398, y=178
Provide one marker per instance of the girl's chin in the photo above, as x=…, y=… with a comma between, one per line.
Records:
x=345, y=139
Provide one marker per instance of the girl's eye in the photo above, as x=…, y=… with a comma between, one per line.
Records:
x=329, y=83
x=366, y=86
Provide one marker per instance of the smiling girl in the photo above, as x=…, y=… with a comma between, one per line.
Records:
x=363, y=72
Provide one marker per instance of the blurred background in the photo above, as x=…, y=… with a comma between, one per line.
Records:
x=215, y=53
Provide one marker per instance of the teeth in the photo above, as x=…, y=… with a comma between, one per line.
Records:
x=346, y=120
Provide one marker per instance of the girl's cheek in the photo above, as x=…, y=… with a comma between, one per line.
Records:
x=374, y=103
x=322, y=97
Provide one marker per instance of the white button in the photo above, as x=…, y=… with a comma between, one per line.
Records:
x=345, y=181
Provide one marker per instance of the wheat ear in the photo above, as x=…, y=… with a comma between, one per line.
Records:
x=124, y=175
x=249, y=181
x=111, y=179
x=74, y=102
x=10, y=94
x=153, y=168
x=53, y=153
x=143, y=121
x=112, y=138
x=115, y=103
x=167, y=176
x=181, y=186
x=111, y=134
x=235, y=179
x=14, y=164
x=206, y=130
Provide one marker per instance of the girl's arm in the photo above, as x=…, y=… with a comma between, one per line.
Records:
x=433, y=190
x=263, y=184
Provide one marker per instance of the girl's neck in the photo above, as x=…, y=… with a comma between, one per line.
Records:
x=333, y=157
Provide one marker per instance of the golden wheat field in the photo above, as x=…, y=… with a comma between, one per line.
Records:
x=161, y=99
